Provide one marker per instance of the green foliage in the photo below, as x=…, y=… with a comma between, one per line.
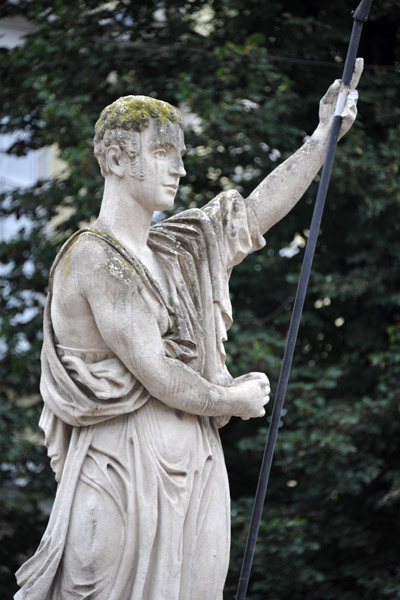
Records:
x=246, y=70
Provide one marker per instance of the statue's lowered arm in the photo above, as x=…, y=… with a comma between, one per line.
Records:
x=129, y=328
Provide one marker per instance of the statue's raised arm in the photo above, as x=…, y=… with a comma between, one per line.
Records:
x=277, y=194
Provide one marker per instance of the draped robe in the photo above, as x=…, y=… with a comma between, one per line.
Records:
x=158, y=471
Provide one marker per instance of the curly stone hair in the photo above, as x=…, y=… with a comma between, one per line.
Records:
x=122, y=121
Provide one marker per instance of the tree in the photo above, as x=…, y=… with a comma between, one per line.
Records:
x=252, y=73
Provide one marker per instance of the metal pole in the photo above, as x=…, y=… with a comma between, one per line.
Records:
x=360, y=16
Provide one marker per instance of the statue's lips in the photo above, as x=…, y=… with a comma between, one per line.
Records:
x=171, y=186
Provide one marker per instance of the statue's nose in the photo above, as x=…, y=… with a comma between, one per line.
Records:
x=177, y=167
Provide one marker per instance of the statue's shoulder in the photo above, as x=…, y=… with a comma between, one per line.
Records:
x=90, y=243
x=86, y=250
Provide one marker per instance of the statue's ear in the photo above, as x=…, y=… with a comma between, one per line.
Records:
x=114, y=162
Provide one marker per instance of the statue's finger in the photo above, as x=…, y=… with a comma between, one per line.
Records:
x=358, y=69
x=351, y=103
x=352, y=97
x=332, y=92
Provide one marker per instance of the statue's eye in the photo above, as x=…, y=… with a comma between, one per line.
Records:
x=160, y=153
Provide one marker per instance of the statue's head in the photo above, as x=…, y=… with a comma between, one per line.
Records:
x=121, y=123
x=140, y=142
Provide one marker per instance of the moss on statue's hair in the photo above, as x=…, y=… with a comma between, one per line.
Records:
x=134, y=112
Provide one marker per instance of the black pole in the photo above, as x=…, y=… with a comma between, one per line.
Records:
x=360, y=16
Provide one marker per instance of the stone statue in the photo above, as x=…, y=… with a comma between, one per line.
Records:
x=134, y=381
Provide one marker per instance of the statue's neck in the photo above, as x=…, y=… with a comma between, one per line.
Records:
x=123, y=218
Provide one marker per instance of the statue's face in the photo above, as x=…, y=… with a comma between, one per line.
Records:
x=153, y=177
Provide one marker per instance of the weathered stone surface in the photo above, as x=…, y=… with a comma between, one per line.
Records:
x=134, y=381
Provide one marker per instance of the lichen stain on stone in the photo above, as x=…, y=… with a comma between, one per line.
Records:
x=66, y=263
x=104, y=233
x=119, y=268
x=93, y=528
x=134, y=112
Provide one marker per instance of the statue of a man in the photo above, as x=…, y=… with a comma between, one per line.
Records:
x=134, y=380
